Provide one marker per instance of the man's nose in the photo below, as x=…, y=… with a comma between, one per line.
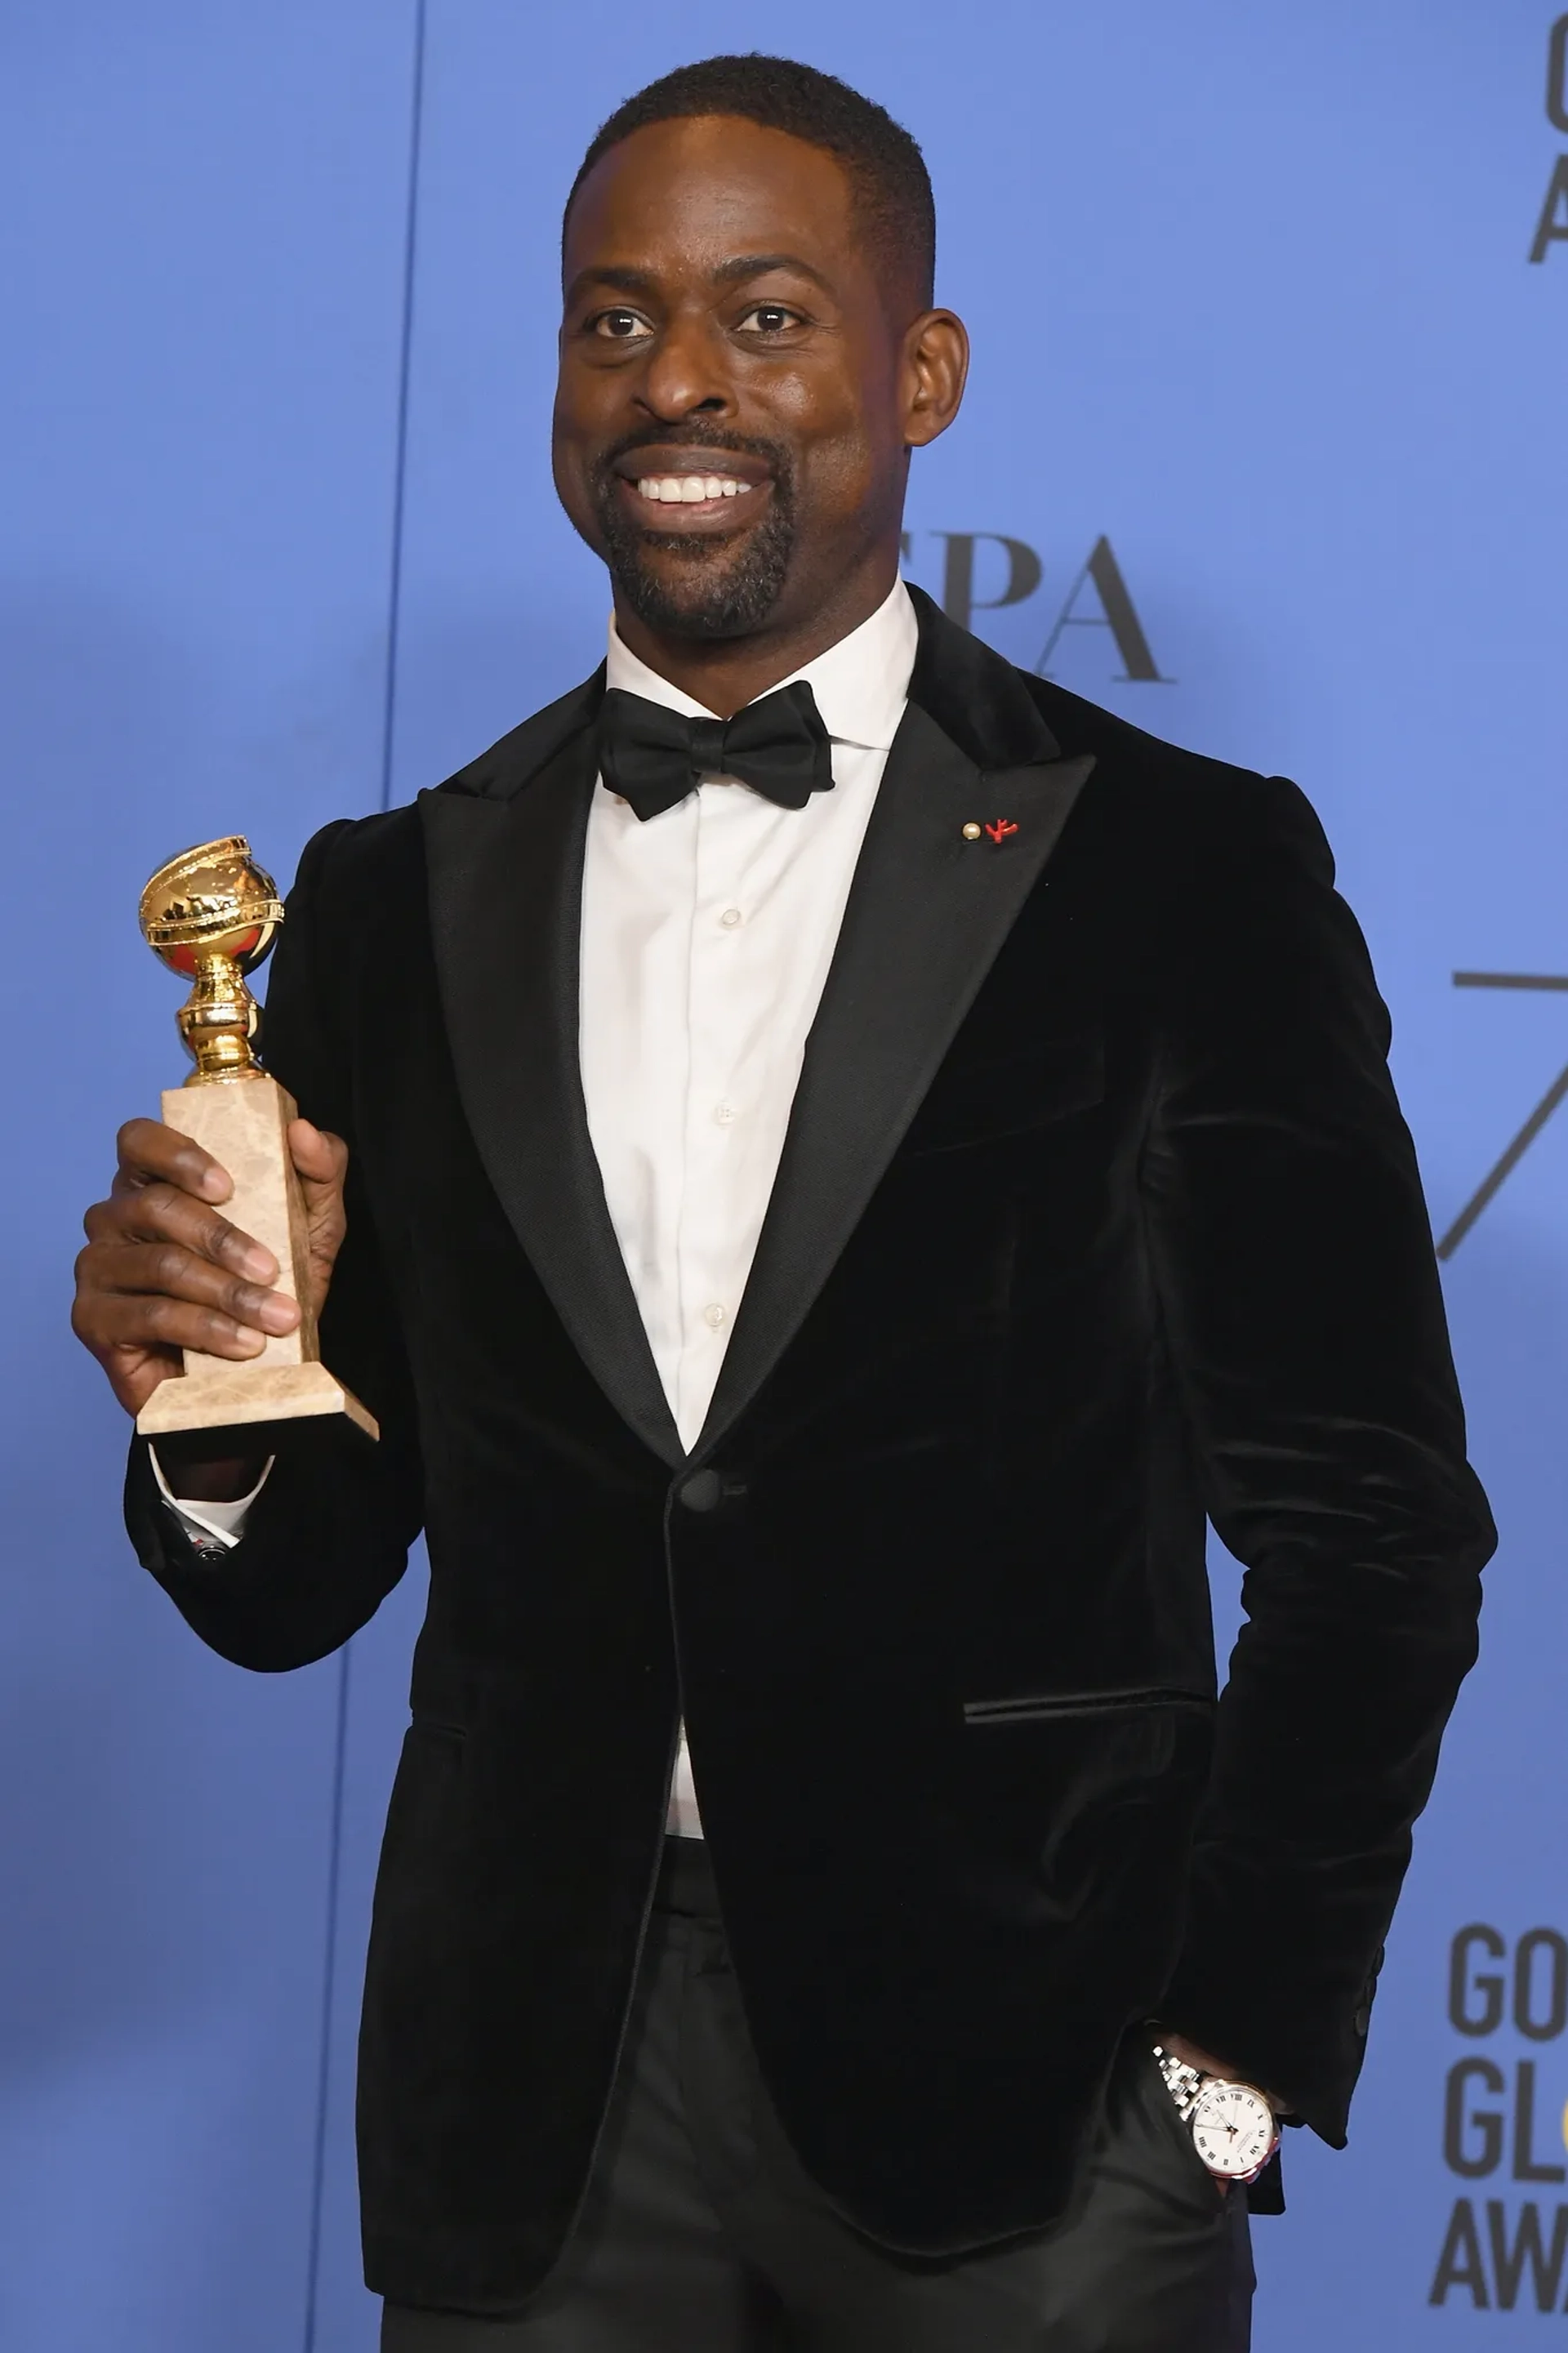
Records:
x=686, y=375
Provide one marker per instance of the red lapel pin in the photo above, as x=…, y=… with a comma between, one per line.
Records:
x=1000, y=829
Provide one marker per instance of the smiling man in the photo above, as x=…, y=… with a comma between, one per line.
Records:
x=857, y=1154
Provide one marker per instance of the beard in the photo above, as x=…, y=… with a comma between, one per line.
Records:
x=720, y=588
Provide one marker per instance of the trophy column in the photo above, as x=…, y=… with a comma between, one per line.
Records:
x=212, y=915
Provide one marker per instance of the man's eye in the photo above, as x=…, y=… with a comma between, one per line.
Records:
x=620, y=326
x=770, y=318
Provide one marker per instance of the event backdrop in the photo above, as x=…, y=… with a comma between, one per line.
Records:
x=1265, y=448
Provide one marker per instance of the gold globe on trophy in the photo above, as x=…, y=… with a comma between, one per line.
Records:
x=212, y=915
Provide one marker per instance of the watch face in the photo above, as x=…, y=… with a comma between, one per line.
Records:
x=1233, y=2129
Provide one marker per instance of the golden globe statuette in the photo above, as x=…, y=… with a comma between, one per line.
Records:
x=212, y=915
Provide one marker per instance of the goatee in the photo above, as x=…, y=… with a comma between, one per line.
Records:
x=726, y=587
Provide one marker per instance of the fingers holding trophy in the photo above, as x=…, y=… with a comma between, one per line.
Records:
x=212, y=915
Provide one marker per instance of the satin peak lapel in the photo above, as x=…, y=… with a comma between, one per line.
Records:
x=506, y=891
x=927, y=913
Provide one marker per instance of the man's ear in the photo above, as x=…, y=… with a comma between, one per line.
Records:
x=935, y=367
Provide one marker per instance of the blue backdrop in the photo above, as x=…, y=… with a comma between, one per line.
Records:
x=1264, y=448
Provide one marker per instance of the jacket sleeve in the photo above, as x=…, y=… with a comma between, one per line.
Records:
x=328, y=1536
x=1305, y=1325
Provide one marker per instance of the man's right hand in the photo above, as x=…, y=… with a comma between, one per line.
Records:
x=164, y=1269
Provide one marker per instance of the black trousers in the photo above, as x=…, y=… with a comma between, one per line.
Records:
x=702, y=2232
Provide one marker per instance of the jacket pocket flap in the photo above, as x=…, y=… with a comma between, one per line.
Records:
x=1035, y=1707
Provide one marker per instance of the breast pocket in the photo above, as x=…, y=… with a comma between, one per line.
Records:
x=981, y=1099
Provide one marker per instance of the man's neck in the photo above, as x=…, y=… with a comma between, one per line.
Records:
x=724, y=674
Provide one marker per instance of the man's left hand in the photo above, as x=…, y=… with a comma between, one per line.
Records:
x=1192, y=2054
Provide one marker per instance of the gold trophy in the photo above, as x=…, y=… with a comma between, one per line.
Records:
x=212, y=915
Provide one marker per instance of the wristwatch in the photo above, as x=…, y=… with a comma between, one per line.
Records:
x=1233, y=2127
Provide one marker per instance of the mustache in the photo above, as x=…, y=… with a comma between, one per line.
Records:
x=696, y=433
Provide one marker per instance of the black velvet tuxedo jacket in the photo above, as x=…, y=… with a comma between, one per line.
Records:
x=1097, y=1215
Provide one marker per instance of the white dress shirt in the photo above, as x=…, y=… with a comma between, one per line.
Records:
x=707, y=936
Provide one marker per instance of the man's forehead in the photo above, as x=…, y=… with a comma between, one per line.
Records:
x=705, y=190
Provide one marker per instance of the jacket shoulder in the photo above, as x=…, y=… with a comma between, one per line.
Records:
x=1179, y=801
x=352, y=858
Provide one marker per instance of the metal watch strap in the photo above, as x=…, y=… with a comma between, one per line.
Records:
x=1183, y=2082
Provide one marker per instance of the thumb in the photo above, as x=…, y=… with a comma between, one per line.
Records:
x=320, y=1157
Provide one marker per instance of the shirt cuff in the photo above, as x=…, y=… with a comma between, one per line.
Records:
x=211, y=1528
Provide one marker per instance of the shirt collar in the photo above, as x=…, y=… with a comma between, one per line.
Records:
x=862, y=684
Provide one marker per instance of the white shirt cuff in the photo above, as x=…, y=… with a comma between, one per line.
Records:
x=214, y=1527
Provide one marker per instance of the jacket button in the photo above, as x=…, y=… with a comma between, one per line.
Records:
x=701, y=1491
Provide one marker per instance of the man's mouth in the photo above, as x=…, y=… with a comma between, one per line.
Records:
x=686, y=487
x=689, y=490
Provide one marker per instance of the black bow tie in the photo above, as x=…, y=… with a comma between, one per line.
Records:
x=654, y=757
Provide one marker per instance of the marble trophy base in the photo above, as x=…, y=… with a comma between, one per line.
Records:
x=244, y=1123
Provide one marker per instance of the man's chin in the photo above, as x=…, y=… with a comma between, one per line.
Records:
x=689, y=594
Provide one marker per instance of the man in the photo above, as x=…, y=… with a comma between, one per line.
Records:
x=855, y=1154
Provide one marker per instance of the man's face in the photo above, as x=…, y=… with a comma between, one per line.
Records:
x=733, y=403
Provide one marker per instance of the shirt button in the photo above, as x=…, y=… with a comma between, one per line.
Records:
x=713, y=1318
x=730, y=918
x=724, y=1114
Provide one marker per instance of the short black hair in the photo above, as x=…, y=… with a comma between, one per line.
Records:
x=886, y=169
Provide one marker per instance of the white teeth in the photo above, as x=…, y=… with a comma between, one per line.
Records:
x=687, y=489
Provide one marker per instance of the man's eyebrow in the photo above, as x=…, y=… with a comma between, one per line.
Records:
x=755, y=265
x=624, y=279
